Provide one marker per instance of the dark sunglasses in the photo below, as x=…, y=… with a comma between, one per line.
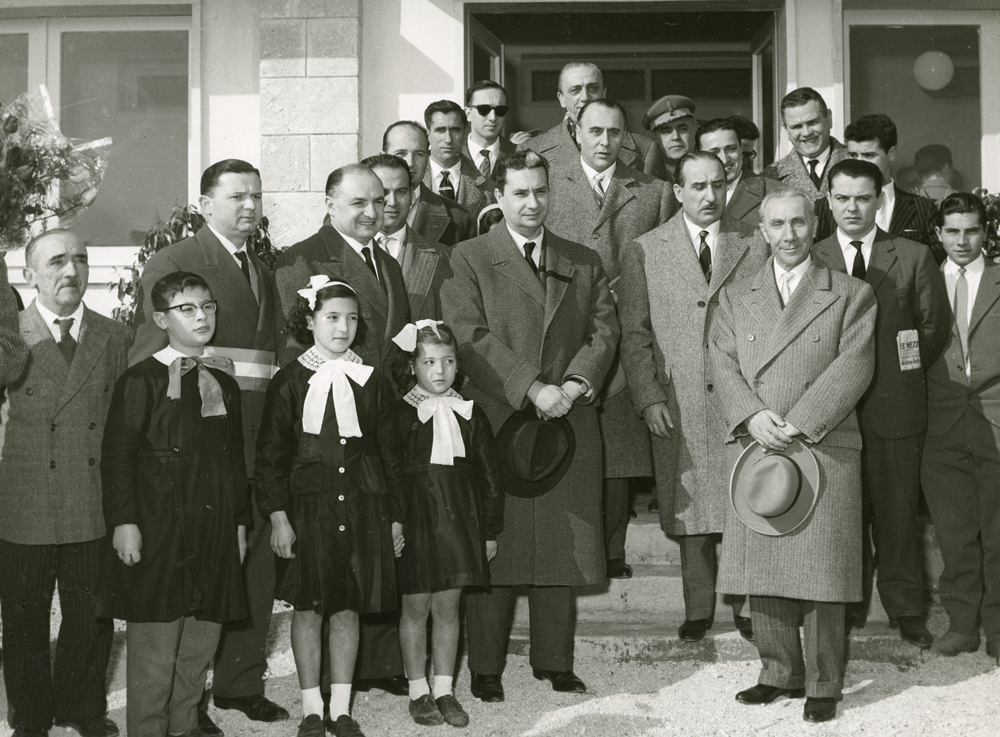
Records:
x=484, y=110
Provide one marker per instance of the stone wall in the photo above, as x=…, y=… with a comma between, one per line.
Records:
x=308, y=107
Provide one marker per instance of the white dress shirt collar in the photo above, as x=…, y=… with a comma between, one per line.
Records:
x=170, y=354
x=454, y=175
x=226, y=243
x=821, y=160
x=796, y=274
x=520, y=240
x=973, y=277
x=848, y=250
x=730, y=188
x=359, y=248
x=475, y=151
x=605, y=176
x=390, y=246
x=695, y=232
x=49, y=318
x=887, y=204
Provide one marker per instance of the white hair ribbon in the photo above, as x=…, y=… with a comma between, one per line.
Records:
x=448, y=444
x=332, y=377
x=406, y=338
x=317, y=283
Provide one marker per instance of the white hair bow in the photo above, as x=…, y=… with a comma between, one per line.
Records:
x=317, y=283
x=332, y=377
x=448, y=444
x=406, y=338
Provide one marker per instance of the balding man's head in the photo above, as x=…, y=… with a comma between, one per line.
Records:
x=579, y=82
x=56, y=265
x=355, y=201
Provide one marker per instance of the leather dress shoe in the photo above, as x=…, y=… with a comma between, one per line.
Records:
x=951, y=644
x=94, y=727
x=207, y=726
x=344, y=726
x=819, y=709
x=654, y=505
x=19, y=732
x=452, y=711
x=487, y=687
x=744, y=626
x=425, y=712
x=762, y=694
x=618, y=568
x=993, y=650
x=855, y=621
x=396, y=685
x=913, y=630
x=565, y=681
x=258, y=707
x=311, y=726
x=693, y=630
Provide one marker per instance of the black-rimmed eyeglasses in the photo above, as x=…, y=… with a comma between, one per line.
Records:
x=190, y=310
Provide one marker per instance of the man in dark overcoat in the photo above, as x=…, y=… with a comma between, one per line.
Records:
x=602, y=203
x=51, y=518
x=669, y=293
x=793, y=351
x=912, y=308
x=536, y=325
x=246, y=332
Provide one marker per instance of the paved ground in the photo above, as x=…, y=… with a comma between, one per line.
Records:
x=643, y=682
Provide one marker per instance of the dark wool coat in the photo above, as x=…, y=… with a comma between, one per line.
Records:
x=425, y=268
x=809, y=362
x=182, y=479
x=441, y=220
x=511, y=331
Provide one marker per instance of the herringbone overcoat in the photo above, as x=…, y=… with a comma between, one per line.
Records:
x=792, y=172
x=667, y=309
x=810, y=362
x=633, y=205
x=511, y=331
x=425, y=267
x=638, y=151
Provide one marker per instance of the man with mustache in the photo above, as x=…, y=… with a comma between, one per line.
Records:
x=744, y=189
x=52, y=526
x=451, y=175
x=807, y=121
x=579, y=83
x=668, y=295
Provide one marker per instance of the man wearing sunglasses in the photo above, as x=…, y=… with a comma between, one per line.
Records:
x=486, y=106
x=579, y=83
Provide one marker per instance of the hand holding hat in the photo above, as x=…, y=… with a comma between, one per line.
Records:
x=770, y=430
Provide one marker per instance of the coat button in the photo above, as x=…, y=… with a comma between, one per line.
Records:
x=52, y=464
x=757, y=383
x=701, y=303
x=341, y=469
x=815, y=339
x=750, y=337
x=342, y=528
x=177, y=451
x=960, y=367
x=343, y=441
x=93, y=425
x=90, y=461
x=28, y=391
x=340, y=498
x=253, y=428
x=106, y=387
x=710, y=387
x=53, y=427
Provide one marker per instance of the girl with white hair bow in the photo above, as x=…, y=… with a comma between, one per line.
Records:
x=455, y=491
x=329, y=478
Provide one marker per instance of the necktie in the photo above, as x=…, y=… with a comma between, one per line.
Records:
x=67, y=344
x=212, y=404
x=332, y=378
x=858, y=269
x=962, y=314
x=813, y=163
x=241, y=256
x=389, y=244
x=484, y=165
x=366, y=251
x=783, y=279
x=599, y=190
x=705, y=256
x=529, y=250
x=448, y=444
x=446, y=189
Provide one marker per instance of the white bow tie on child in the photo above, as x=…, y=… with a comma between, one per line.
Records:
x=332, y=376
x=448, y=444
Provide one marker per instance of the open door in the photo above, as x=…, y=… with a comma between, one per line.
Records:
x=765, y=81
x=483, y=54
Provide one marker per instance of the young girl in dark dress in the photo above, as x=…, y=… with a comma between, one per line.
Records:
x=455, y=511
x=329, y=477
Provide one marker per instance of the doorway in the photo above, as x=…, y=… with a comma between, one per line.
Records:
x=723, y=61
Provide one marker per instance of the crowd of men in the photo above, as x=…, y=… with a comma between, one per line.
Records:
x=680, y=311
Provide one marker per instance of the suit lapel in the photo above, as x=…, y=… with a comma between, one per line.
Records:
x=419, y=274
x=582, y=192
x=829, y=252
x=224, y=272
x=90, y=349
x=883, y=257
x=359, y=276
x=558, y=275
x=618, y=195
x=986, y=295
x=265, y=322
x=904, y=214
x=470, y=179
x=763, y=300
x=728, y=252
x=745, y=197
x=509, y=261
x=431, y=220
x=45, y=351
x=684, y=259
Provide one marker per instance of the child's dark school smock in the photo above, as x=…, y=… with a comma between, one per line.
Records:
x=339, y=481
x=181, y=478
x=453, y=508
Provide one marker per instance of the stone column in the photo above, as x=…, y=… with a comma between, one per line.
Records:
x=308, y=107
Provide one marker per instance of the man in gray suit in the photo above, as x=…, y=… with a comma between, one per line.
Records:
x=450, y=174
x=912, y=308
x=425, y=263
x=668, y=295
x=604, y=204
x=807, y=122
x=580, y=82
x=744, y=189
x=431, y=215
x=793, y=352
x=52, y=522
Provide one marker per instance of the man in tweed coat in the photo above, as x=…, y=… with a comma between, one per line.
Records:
x=668, y=296
x=807, y=121
x=51, y=518
x=793, y=364
x=604, y=204
x=535, y=332
x=446, y=123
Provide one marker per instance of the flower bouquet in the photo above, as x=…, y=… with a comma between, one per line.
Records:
x=46, y=179
x=992, y=224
